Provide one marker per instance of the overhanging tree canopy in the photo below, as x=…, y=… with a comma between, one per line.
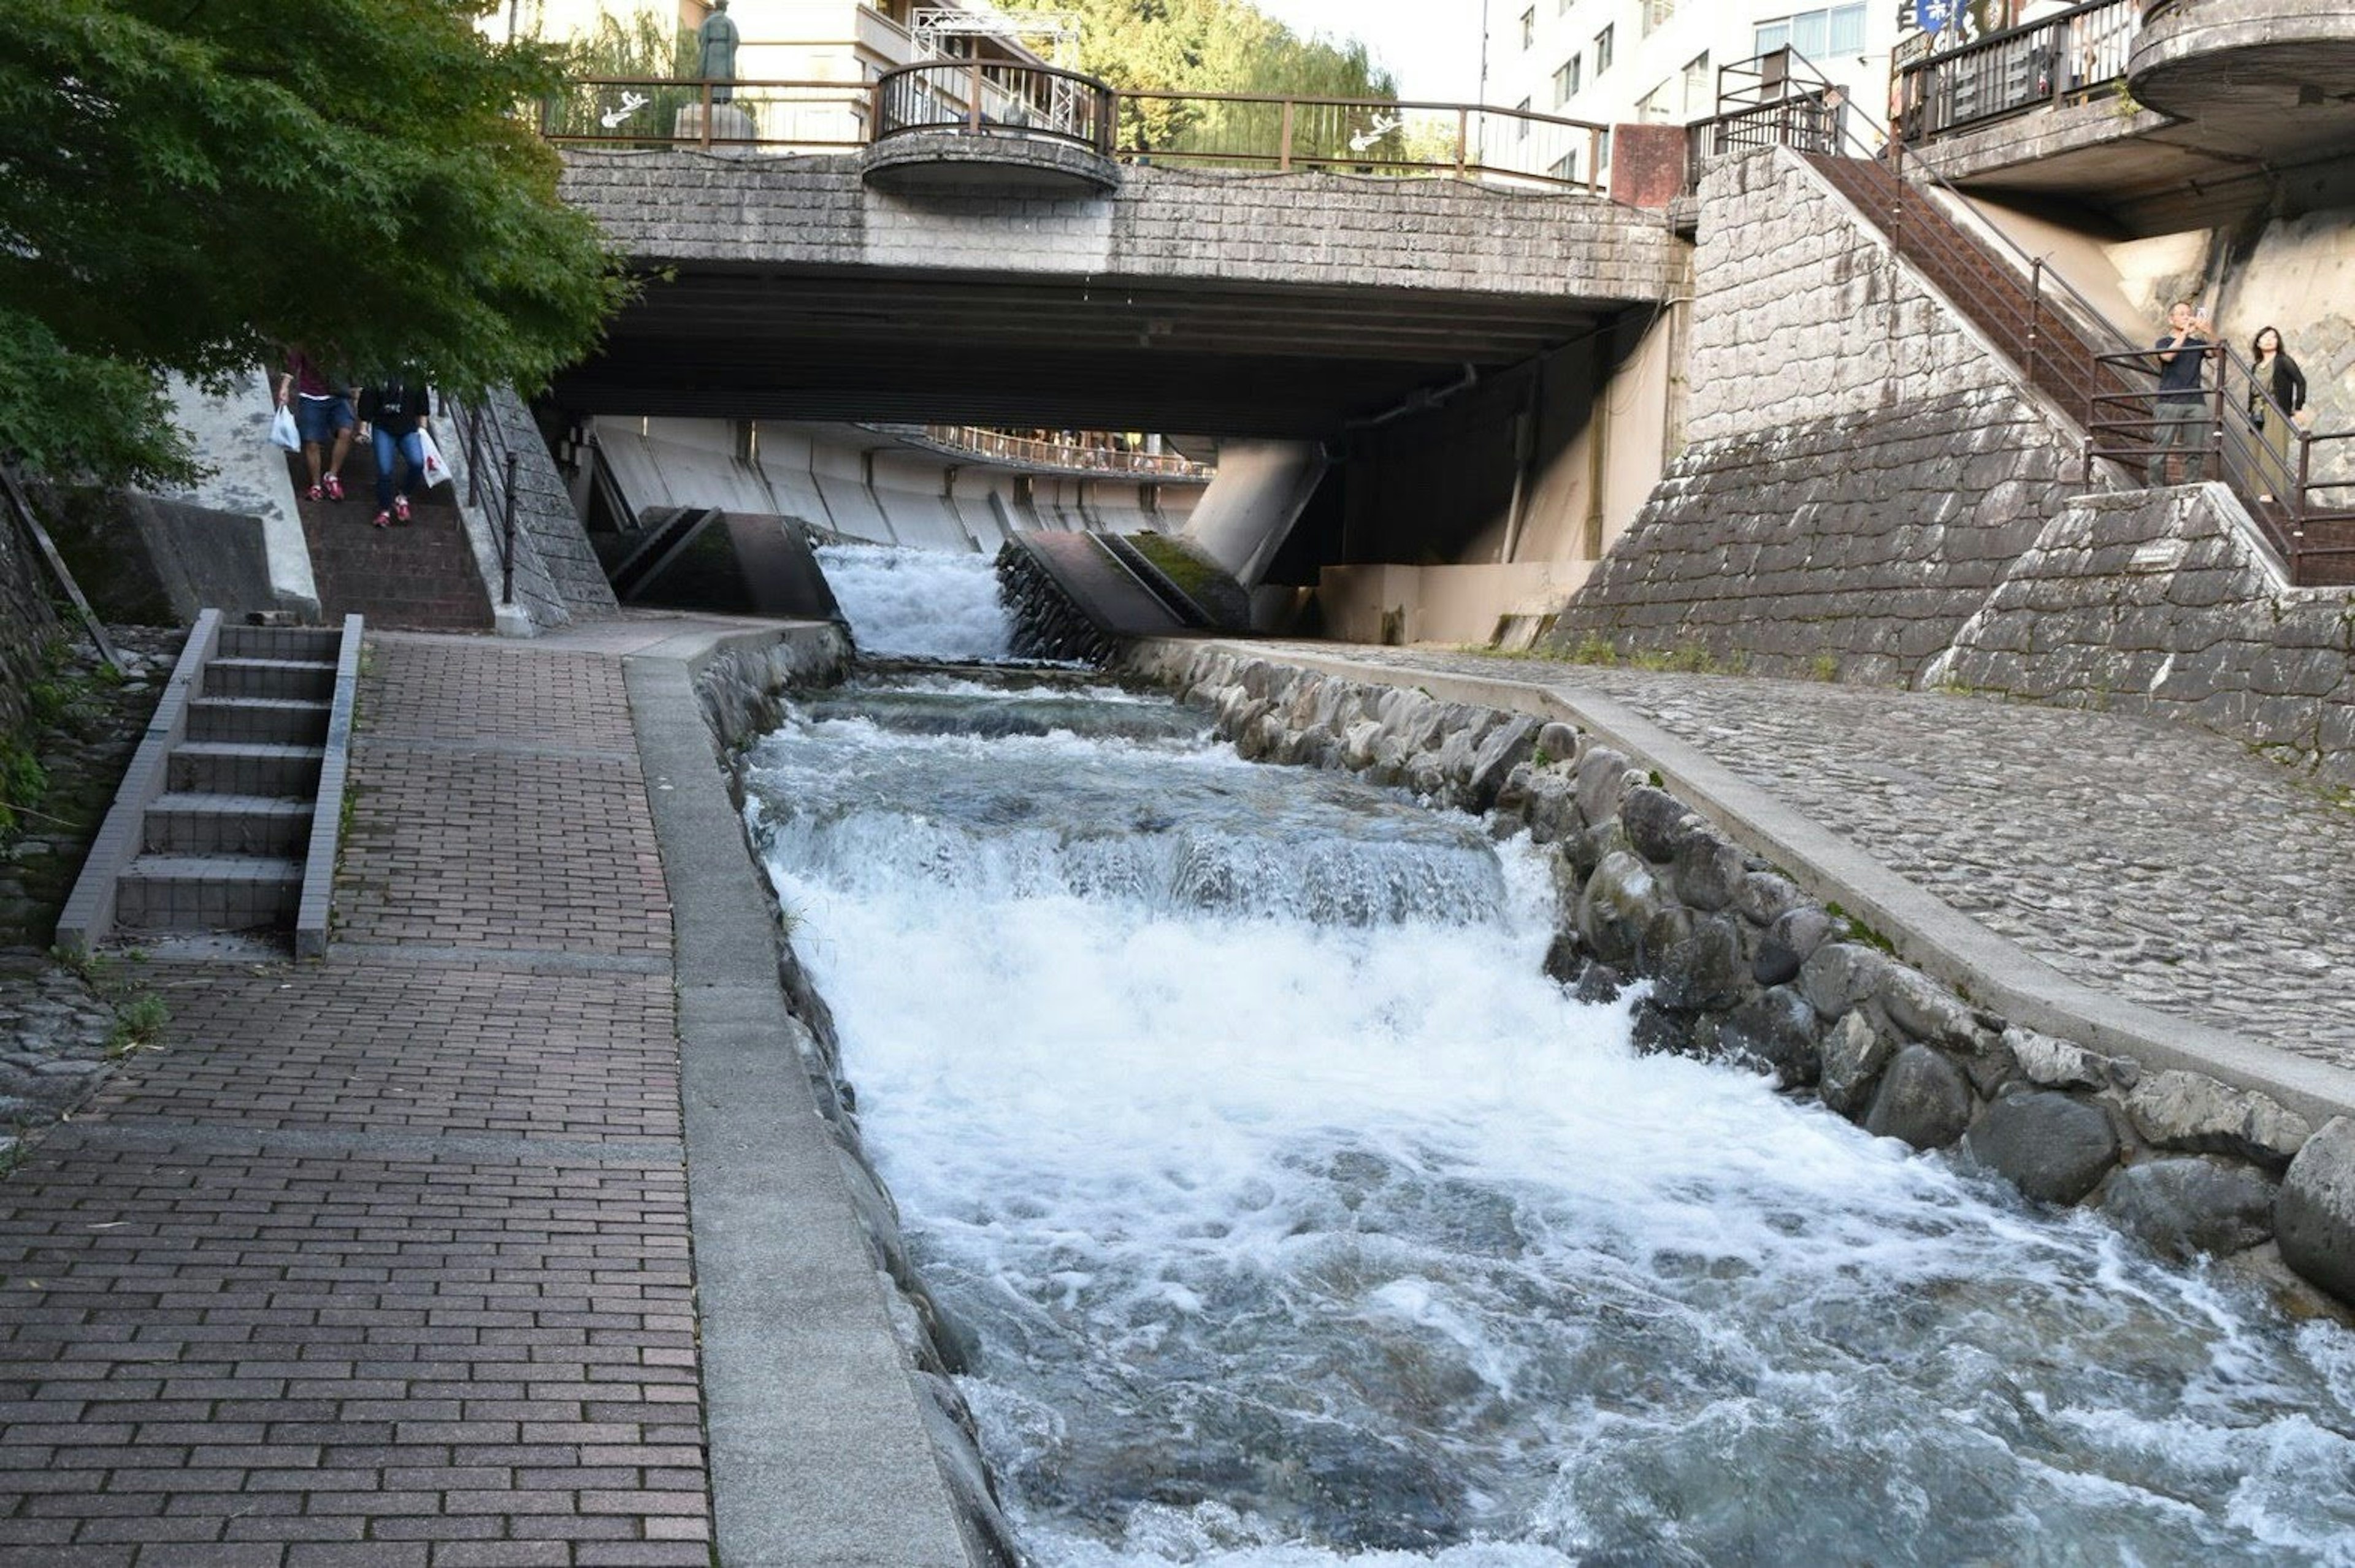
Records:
x=185, y=183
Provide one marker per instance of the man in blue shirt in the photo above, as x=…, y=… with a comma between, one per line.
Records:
x=2180, y=406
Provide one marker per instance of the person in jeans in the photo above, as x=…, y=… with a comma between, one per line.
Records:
x=2181, y=407
x=322, y=411
x=393, y=408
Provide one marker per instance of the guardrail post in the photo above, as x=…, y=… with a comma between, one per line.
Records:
x=706, y=116
x=973, y=102
x=1463, y=136
x=1284, y=143
x=874, y=112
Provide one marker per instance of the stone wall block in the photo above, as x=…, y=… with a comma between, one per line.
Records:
x=1923, y=1099
x=1709, y=872
x=1788, y=943
x=1854, y=1052
x=2314, y=1217
x=1925, y=1009
x=1765, y=897
x=2051, y=1063
x=1620, y=899
x=1603, y=778
x=1840, y=975
x=1658, y=824
x=2185, y=1206
x=2191, y=1112
x=2053, y=1148
x=1504, y=747
x=1778, y=1029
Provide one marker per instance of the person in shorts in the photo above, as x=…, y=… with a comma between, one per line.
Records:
x=323, y=412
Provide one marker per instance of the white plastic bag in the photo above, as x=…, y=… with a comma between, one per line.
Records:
x=436, y=471
x=282, y=430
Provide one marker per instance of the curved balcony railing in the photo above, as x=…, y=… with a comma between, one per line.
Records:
x=995, y=98
x=2053, y=60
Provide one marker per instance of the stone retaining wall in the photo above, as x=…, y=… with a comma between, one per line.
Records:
x=27, y=625
x=1745, y=968
x=742, y=687
x=1861, y=465
x=2156, y=601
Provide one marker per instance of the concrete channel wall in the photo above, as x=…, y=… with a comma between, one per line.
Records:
x=836, y=1438
x=2192, y=1140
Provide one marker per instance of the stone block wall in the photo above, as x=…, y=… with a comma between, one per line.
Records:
x=1861, y=465
x=2158, y=602
x=28, y=623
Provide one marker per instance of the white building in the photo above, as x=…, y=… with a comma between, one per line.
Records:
x=1616, y=61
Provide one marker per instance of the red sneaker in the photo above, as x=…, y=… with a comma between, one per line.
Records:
x=401, y=508
x=334, y=487
x=314, y=493
x=381, y=520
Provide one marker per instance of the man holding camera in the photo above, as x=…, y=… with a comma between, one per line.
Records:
x=2180, y=406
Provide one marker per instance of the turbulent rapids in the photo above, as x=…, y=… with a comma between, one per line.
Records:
x=1294, y=1217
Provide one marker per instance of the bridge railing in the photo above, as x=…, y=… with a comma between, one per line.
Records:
x=2048, y=61
x=1352, y=135
x=995, y=98
x=641, y=112
x=1098, y=457
x=1358, y=135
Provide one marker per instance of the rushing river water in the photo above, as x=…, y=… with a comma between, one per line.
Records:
x=1298, y=1220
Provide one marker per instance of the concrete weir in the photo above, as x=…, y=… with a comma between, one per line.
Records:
x=830, y=1446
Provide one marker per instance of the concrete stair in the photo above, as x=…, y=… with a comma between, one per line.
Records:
x=418, y=576
x=228, y=816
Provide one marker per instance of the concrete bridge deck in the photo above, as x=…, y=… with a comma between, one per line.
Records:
x=390, y=1260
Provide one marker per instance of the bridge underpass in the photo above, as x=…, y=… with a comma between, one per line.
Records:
x=1315, y=308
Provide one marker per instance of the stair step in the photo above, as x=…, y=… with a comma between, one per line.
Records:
x=305, y=642
x=208, y=892
x=189, y=824
x=231, y=767
x=307, y=680
x=283, y=720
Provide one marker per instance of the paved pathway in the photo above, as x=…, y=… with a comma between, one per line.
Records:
x=2150, y=859
x=386, y=1261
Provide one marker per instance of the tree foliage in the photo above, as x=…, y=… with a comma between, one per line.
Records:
x=1215, y=46
x=185, y=183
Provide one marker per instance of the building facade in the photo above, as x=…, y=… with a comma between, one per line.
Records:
x=1622, y=62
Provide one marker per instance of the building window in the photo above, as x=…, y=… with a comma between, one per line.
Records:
x=1695, y=79
x=1657, y=105
x=1603, y=41
x=1530, y=28
x=1602, y=150
x=1656, y=14
x=1521, y=120
x=1814, y=34
x=1565, y=82
x=1565, y=167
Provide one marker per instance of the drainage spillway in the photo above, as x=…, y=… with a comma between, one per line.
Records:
x=1294, y=1218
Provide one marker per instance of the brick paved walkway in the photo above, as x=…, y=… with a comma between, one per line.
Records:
x=386, y=1261
x=2153, y=859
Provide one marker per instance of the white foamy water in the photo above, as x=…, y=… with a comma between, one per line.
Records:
x=1287, y=1242
x=918, y=604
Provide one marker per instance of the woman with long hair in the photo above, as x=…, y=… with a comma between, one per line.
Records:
x=2276, y=399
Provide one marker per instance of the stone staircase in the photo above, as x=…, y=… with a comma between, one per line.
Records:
x=227, y=817
x=420, y=576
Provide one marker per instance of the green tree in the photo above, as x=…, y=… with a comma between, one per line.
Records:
x=185, y=183
x=1222, y=47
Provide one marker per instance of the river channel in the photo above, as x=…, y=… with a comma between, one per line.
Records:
x=1295, y=1219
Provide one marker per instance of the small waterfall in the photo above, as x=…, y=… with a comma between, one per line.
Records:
x=1299, y=1221
x=918, y=604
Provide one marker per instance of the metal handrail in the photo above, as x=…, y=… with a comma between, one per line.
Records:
x=995, y=98
x=2071, y=52
x=607, y=110
x=1077, y=458
x=1370, y=135
x=483, y=440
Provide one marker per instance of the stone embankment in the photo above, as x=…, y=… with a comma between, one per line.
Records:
x=1743, y=966
x=742, y=687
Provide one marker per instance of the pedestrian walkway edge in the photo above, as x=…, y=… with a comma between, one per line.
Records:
x=1927, y=933
x=819, y=1446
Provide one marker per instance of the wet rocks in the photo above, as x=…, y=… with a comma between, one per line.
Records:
x=2314, y=1219
x=2052, y=1147
x=2188, y=1111
x=1923, y=1099
x=2185, y=1206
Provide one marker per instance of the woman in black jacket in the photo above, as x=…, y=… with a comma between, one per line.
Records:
x=2276, y=399
x=394, y=409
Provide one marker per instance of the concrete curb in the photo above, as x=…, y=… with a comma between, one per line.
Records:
x=314, y=911
x=818, y=1449
x=1927, y=932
